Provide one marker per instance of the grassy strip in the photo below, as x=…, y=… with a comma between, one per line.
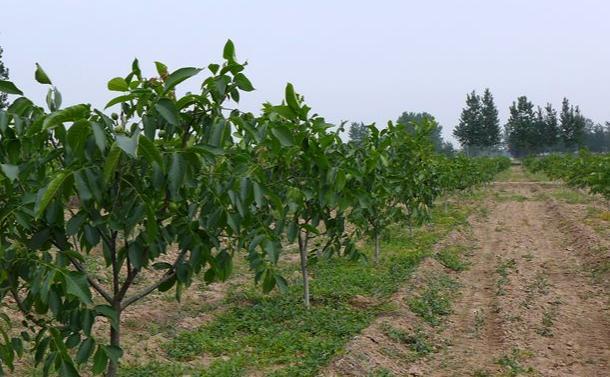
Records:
x=276, y=335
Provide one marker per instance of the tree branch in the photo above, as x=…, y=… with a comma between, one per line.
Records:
x=146, y=291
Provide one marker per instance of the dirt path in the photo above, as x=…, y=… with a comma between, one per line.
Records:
x=527, y=304
x=536, y=307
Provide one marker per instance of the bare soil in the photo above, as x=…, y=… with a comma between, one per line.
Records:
x=534, y=300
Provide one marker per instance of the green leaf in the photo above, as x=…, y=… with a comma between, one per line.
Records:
x=161, y=69
x=217, y=133
x=283, y=135
x=3, y=120
x=168, y=111
x=84, y=192
x=291, y=98
x=243, y=83
x=293, y=229
x=178, y=76
x=281, y=283
x=67, y=369
x=100, y=361
x=111, y=163
x=259, y=195
x=53, y=99
x=229, y=51
x=128, y=144
x=176, y=175
x=120, y=99
x=108, y=312
x=118, y=84
x=77, y=135
x=100, y=136
x=149, y=151
x=41, y=76
x=9, y=87
x=11, y=171
x=78, y=286
x=69, y=114
x=84, y=351
x=114, y=353
x=50, y=191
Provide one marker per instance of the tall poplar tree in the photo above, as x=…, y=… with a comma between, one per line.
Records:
x=572, y=125
x=468, y=131
x=490, y=122
x=358, y=131
x=550, y=128
x=521, y=131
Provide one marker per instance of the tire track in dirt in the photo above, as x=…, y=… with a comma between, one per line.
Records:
x=535, y=308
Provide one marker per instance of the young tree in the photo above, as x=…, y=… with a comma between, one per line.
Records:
x=3, y=76
x=490, y=122
x=358, y=132
x=304, y=179
x=521, y=129
x=469, y=130
x=154, y=190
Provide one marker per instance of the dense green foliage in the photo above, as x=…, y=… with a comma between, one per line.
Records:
x=180, y=185
x=585, y=170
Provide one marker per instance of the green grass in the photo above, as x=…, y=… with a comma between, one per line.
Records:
x=520, y=174
x=435, y=301
x=503, y=269
x=277, y=335
x=513, y=363
x=451, y=257
x=418, y=341
x=571, y=197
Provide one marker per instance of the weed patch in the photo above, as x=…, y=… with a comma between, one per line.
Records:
x=435, y=301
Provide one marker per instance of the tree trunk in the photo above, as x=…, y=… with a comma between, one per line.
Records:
x=303, y=238
x=377, y=247
x=115, y=340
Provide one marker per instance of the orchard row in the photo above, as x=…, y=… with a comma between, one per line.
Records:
x=584, y=170
x=181, y=185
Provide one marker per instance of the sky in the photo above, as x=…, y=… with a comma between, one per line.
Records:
x=352, y=60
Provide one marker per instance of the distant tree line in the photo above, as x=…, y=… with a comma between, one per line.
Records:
x=529, y=129
x=532, y=130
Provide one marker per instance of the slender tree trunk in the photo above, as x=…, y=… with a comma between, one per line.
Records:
x=303, y=238
x=115, y=340
x=377, y=247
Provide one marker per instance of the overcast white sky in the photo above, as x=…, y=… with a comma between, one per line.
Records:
x=353, y=60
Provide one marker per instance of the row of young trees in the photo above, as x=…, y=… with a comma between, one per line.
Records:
x=584, y=170
x=190, y=173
